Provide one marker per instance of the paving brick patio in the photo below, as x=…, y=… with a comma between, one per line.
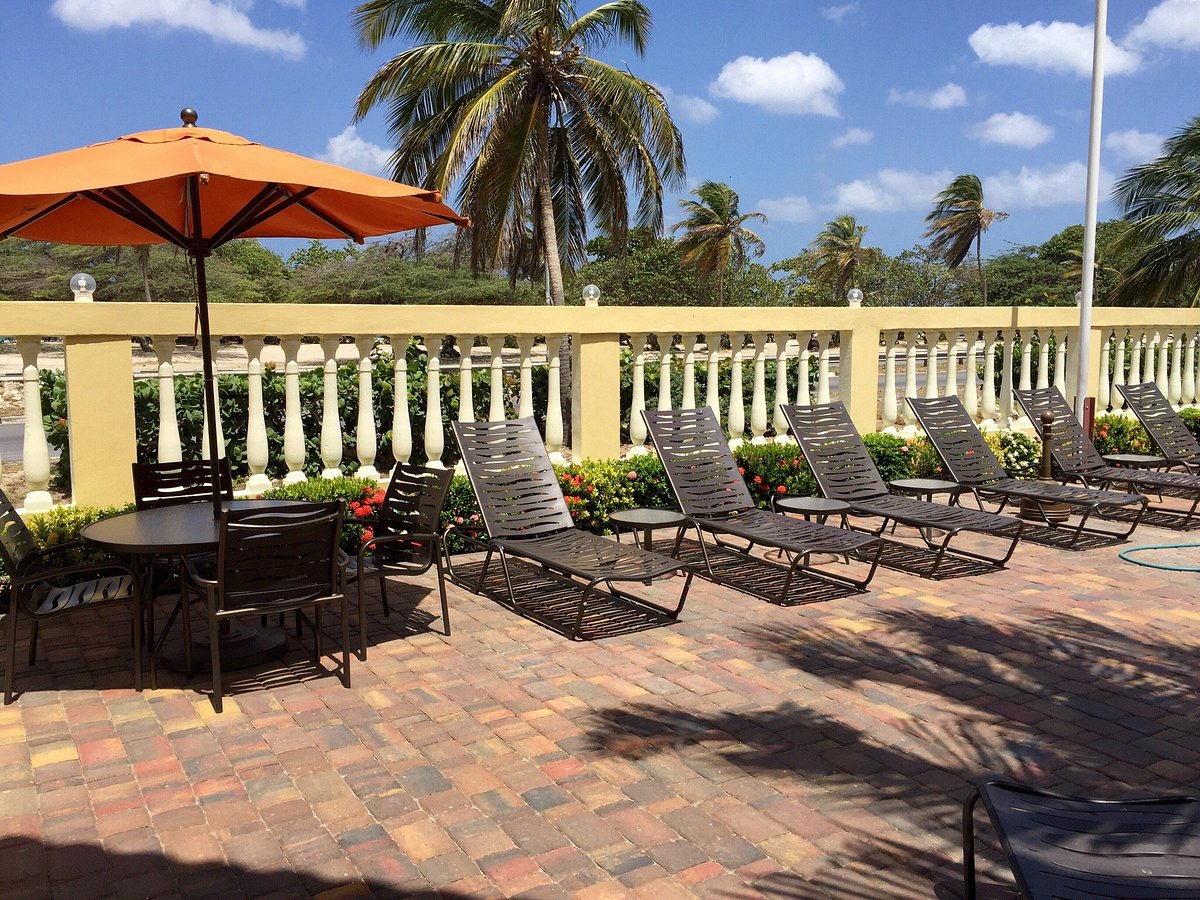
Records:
x=817, y=750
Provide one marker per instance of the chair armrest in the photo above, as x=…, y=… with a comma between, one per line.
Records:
x=194, y=574
x=93, y=569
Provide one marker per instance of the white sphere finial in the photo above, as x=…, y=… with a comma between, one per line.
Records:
x=82, y=286
x=591, y=295
x=854, y=297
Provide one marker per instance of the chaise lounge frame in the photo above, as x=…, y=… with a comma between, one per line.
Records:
x=1166, y=429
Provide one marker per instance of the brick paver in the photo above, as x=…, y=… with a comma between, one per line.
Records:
x=817, y=750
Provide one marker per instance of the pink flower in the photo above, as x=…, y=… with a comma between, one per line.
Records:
x=632, y=476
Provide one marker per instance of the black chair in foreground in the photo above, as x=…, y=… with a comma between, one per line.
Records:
x=845, y=471
x=1079, y=460
x=42, y=587
x=405, y=539
x=713, y=495
x=971, y=463
x=275, y=560
x=526, y=516
x=1077, y=847
x=1167, y=430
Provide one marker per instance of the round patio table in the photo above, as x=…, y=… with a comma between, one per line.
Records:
x=185, y=530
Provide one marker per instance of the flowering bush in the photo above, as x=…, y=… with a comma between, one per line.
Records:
x=61, y=525
x=362, y=497
x=595, y=488
x=892, y=456
x=774, y=470
x=1119, y=434
x=649, y=482
x=1020, y=454
x=924, y=458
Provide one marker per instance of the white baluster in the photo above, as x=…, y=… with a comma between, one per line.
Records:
x=1043, y=379
x=737, y=405
x=495, y=344
x=824, y=353
x=257, y=452
x=525, y=398
x=401, y=423
x=712, y=382
x=1148, y=364
x=205, y=452
x=688, y=400
x=804, y=369
x=1175, y=382
x=1162, y=382
x=35, y=451
x=989, y=407
x=435, y=438
x=952, y=363
x=778, y=420
x=554, y=416
x=970, y=383
x=758, y=400
x=1118, y=378
x=1104, y=386
x=331, y=420
x=466, y=393
x=1006, y=380
x=366, y=440
x=931, y=364
x=665, y=342
x=1072, y=367
x=1060, y=363
x=1026, y=382
x=889, y=411
x=1135, y=359
x=637, y=400
x=910, y=382
x=293, y=425
x=170, y=447
x=1188, y=398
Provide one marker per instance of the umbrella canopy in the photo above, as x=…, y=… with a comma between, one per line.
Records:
x=199, y=188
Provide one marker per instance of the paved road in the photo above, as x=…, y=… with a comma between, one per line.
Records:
x=12, y=443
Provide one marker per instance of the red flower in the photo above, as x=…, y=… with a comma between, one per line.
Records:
x=367, y=535
x=362, y=512
x=758, y=479
x=782, y=489
x=741, y=471
x=633, y=476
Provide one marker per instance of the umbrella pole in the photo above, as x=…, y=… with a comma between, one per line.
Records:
x=210, y=405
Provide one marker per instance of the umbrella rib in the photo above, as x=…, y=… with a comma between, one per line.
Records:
x=40, y=214
x=131, y=209
x=247, y=217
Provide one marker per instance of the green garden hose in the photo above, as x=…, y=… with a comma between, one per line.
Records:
x=1127, y=555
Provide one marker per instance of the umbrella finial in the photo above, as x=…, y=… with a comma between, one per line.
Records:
x=189, y=117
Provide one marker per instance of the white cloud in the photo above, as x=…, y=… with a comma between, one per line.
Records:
x=1173, y=23
x=1133, y=145
x=690, y=109
x=1013, y=129
x=1058, y=47
x=889, y=190
x=294, y=4
x=795, y=83
x=787, y=209
x=836, y=14
x=221, y=21
x=1036, y=188
x=948, y=96
x=852, y=136
x=349, y=150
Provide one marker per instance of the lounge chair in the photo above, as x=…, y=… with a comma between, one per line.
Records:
x=714, y=496
x=1170, y=436
x=1079, y=460
x=1059, y=846
x=971, y=463
x=525, y=516
x=844, y=471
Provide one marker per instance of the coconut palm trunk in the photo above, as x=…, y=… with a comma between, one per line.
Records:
x=554, y=275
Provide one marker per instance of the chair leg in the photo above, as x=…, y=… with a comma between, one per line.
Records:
x=316, y=633
x=968, y=832
x=387, y=610
x=346, y=641
x=441, y=577
x=214, y=640
x=10, y=669
x=186, y=601
x=137, y=637
x=33, y=640
x=362, y=619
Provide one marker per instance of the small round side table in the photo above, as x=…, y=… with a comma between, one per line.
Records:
x=818, y=508
x=643, y=522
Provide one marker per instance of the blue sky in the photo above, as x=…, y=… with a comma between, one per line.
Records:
x=808, y=109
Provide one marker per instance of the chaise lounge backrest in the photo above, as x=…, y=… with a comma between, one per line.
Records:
x=1168, y=432
x=699, y=464
x=835, y=452
x=510, y=471
x=960, y=444
x=1073, y=450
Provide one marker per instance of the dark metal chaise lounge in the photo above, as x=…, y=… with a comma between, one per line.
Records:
x=971, y=463
x=1079, y=460
x=845, y=471
x=713, y=495
x=525, y=516
x=1167, y=430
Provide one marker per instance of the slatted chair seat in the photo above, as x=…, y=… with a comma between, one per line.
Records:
x=1079, y=460
x=525, y=516
x=844, y=471
x=714, y=496
x=1072, y=848
x=1167, y=431
x=970, y=462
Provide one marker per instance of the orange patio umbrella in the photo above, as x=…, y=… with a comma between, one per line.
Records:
x=199, y=188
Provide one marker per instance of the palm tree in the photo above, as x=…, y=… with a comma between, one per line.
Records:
x=958, y=220
x=837, y=249
x=502, y=98
x=714, y=241
x=1162, y=202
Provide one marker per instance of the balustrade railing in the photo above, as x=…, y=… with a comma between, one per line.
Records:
x=741, y=363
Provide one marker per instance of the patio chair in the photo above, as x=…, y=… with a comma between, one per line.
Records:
x=1060, y=847
x=526, y=517
x=970, y=462
x=169, y=483
x=274, y=560
x=405, y=540
x=844, y=471
x=48, y=583
x=714, y=496
x=1170, y=436
x=1080, y=461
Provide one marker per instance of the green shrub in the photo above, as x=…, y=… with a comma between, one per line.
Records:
x=1120, y=434
x=61, y=525
x=349, y=490
x=1020, y=454
x=892, y=456
x=774, y=470
x=924, y=458
x=649, y=482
